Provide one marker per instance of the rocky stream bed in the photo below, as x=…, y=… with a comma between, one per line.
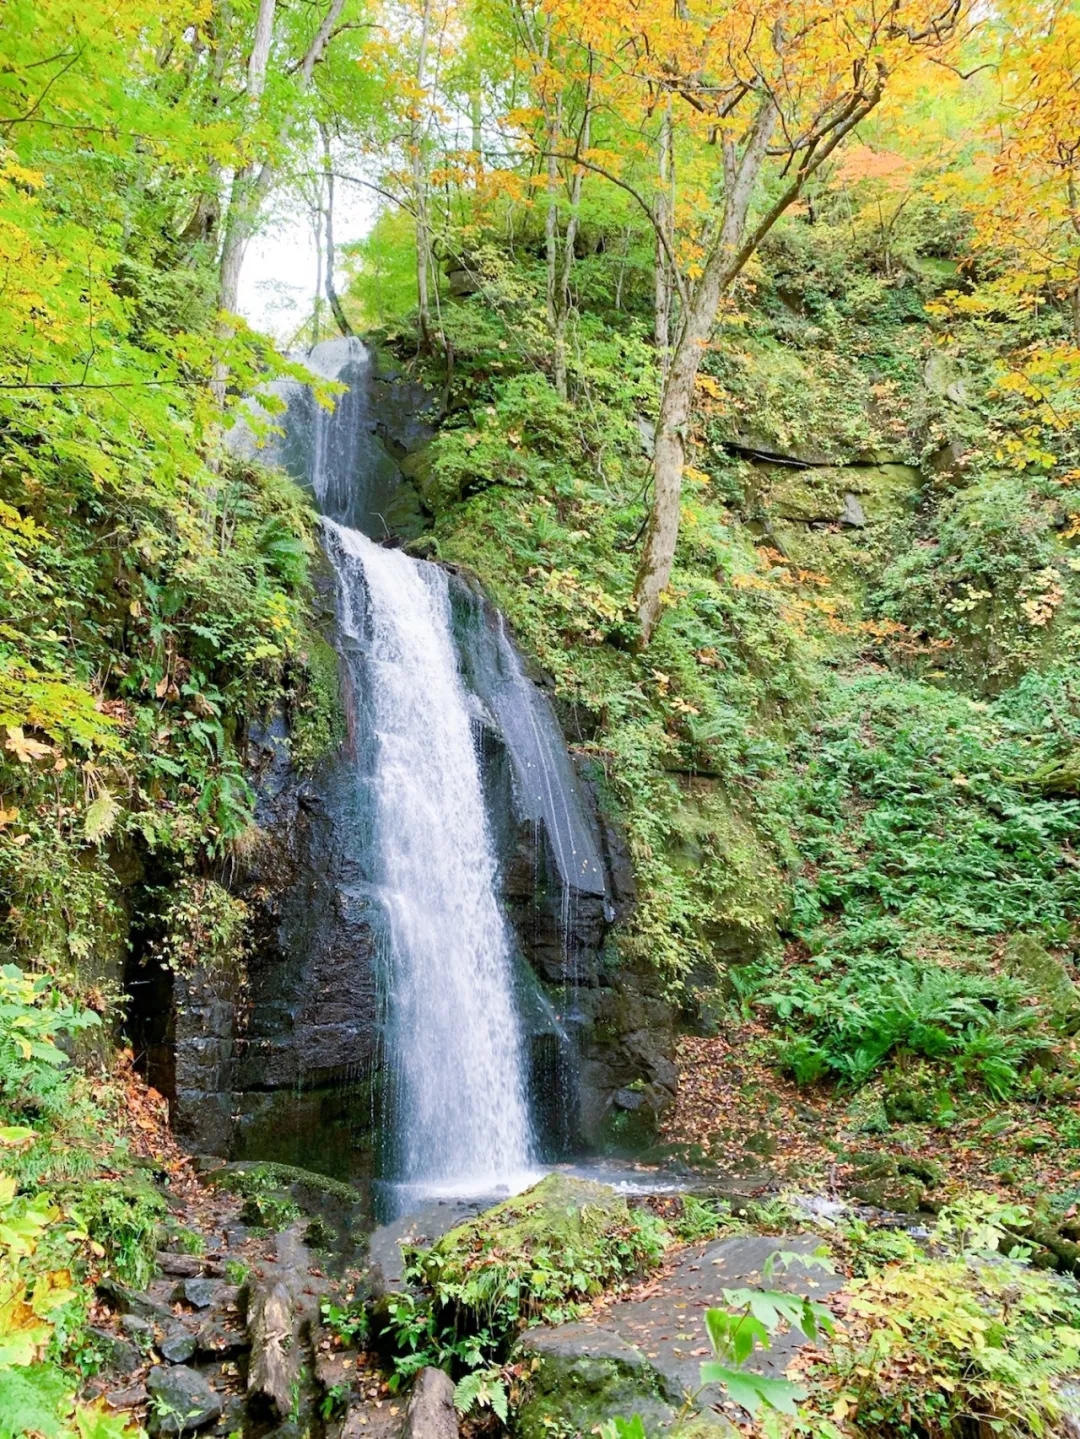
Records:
x=231, y=1339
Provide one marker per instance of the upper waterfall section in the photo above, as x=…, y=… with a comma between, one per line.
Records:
x=348, y=458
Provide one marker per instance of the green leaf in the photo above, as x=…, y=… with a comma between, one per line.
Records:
x=734, y=1336
x=17, y=1134
x=35, y=1401
x=753, y=1391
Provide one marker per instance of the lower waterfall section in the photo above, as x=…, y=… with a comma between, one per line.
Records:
x=452, y=1043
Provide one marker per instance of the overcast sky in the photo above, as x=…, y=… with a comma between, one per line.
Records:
x=277, y=283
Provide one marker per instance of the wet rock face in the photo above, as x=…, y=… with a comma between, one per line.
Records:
x=285, y=1064
x=617, y=1038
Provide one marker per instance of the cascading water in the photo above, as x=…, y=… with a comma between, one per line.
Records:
x=453, y=752
x=453, y=1041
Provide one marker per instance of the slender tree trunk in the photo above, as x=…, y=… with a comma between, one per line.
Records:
x=420, y=188
x=724, y=262
x=663, y=219
x=477, y=119
x=551, y=219
x=332, y=298
x=562, y=294
x=316, y=309
x=251, y=183
x=239, y=219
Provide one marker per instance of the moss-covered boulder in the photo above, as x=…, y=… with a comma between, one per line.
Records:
x=277, y=1196
x=886, y=1181
x=851, y=495
x=1029, y=960
x=580, y=1376
x=541, y=1253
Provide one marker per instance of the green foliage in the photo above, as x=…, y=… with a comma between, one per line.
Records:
x=930, y=1342
x=202, y=925
x=619, y=1428
x=382, y=270
x=751, y=1320
x=537, y=1258
x=33, y=1082
x=123, y=1219
x=348, y=1320
x=187, y=1241
x=899, y=910
x=482, y=1389
x=44, y=1307
x=700, y=1219
x=236, y=1272
x=271, y=1212
x=989, y=583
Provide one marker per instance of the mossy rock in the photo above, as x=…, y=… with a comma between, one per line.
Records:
x=853, y=495
x=1025, y=958
x=911, y=1098
x=929, y=1171
x=277, y=1195
x=1059, y=776
x=538, y=1256
x=582, y=1376
x=558, y=1214
x=248, y=1177
x=418, y=467
x=269, y=1211
x=888, y=1182
x=705, y=1426
x=902, y=1194
x=317, y=723
x=737, y=883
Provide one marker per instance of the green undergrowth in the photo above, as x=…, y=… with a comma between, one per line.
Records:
x=923, y=847
x=937, y=1336
x=73, y=1212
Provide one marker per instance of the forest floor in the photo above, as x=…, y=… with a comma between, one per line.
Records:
x=735, y=1114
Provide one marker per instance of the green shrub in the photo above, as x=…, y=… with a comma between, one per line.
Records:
x=34, y=1080
x=124, y=1218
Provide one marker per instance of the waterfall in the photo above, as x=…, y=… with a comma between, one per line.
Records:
x=453, y=1042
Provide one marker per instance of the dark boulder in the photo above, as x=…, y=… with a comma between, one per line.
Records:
x=183, y=1401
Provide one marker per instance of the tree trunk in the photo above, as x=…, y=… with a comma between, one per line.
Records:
x=663, y=220
x=332, y=297
x=551, y=219
x=562, y=293
x=725, y=260
x=419, y=174
x=274, y=1323
x=316, y=307
x=251, y=183
x=477, y=119
x=669, y=453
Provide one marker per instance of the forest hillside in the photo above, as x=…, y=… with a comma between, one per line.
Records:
x=749, y=342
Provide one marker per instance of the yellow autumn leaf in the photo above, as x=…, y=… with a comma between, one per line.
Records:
x=100, y=816
x=52, y=1291
x=24, y=748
